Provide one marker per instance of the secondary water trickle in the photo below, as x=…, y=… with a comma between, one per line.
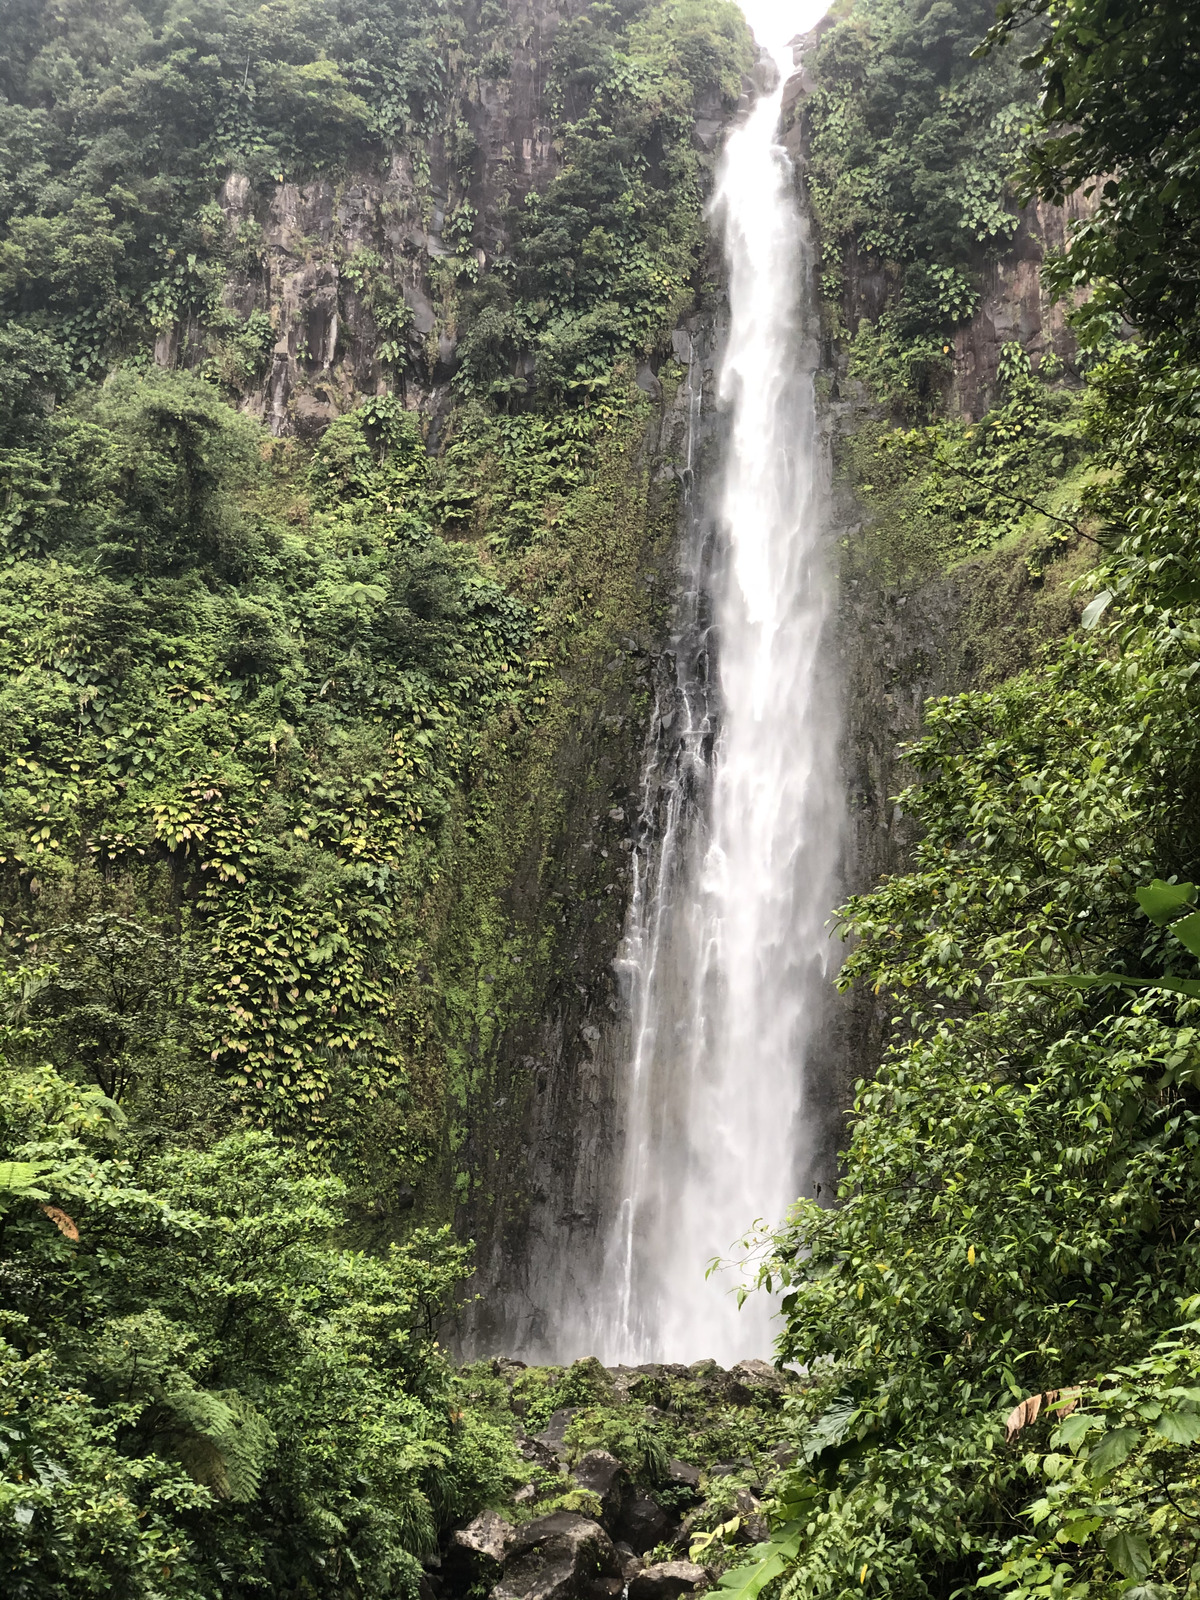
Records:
x=726, y=957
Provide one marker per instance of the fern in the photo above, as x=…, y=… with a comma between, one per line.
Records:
x=222, y=1441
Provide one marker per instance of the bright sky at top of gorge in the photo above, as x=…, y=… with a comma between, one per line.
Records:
x=776, y=21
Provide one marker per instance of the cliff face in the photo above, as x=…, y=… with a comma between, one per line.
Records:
x=527, y=1035
x=545, y=1143
x=904, y=638
x=532, y=914
x=346, y=267
x=340, y=334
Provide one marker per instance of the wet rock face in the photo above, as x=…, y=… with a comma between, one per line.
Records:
x=559, y=1557
x=667, y=1581
x=292, y=242
x=750, y=1378
x=476, y=1553
x=605, y=1476
x=642, y=1522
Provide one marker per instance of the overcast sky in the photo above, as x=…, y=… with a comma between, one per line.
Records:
x=775, y=21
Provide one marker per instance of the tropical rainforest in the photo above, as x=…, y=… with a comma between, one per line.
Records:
x=283, y=706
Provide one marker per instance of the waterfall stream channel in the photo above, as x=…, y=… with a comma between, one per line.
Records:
x=726, y=957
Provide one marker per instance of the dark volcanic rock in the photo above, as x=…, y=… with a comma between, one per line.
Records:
x=681, y=1473
x=604, y=1475
x=667, y=1581
x=642, y=1523
x=541, y=1455
x=751, y=1378
x=558, y=1557
x=631, y=1564
x=553, y=1435
x=477, y=1551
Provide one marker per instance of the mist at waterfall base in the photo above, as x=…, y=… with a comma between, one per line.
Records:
x=727, y=956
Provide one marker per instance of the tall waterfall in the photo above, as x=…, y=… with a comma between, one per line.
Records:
x=726, y=954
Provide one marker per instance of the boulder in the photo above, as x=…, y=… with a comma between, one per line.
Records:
x=479, y=1549
x=604, y=1475
x=539, y=1454
x=753, y=1378
x=558, y=1557
x=667, y=1581
x=631, y=1564
x=642, y=1522
x=553, y=1436
x=707, y=1373
x=650, y=1383
x=683, y=1475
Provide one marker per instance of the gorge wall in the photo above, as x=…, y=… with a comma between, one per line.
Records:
x=535, y=1062
x=450, y=269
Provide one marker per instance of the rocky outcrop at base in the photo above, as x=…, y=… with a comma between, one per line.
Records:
x=629, y=1478
x=667, y=1581
x=560, y=1557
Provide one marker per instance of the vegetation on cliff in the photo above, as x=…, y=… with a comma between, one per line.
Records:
x=281, y=720
x=998, y=1319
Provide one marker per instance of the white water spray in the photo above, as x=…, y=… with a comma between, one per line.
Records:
x=727, y=954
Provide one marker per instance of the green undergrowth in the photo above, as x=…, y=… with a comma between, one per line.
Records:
x=145, y=1451
x=913, y=147
x=951, y=489
x=307, y=716
x=733, y=1432
x=291, y=752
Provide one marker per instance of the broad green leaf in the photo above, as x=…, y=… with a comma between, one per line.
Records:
x=1078, y=1529
x=1161, y=901
x=830, y=1428
x=1180, y=1427
x=1110, y=980
x=1073, y=1429
x=746, y=1582
x=1096, y=608
x=1129, y=1553
x=1113, y=1449
x=1187, y=931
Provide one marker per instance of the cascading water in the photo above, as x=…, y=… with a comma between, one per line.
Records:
x=727, y=953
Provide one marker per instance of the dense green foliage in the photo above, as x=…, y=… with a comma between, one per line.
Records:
x=200, y=1394
x=255, y=714
x=913, y=150
x=119, y=122
x=915, y=177
x=948, y=487
x=248, y=694
x=281, y=722
x=1120, y=90
x=605, y=257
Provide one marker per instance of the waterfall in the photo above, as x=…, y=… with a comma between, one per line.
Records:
x=726, y=957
